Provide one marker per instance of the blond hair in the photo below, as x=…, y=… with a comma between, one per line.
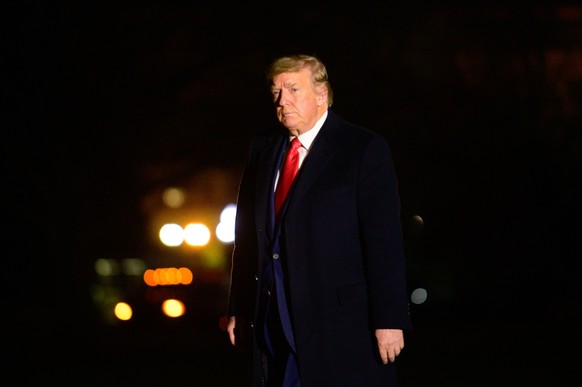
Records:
x=294, y=63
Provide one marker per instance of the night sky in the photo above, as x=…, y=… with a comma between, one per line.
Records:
x=106, y=102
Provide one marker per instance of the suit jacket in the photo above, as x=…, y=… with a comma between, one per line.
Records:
x=342, y=242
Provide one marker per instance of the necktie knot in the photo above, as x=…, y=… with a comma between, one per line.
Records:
x=295, y=144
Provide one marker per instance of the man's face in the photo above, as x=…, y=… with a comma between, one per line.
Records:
x=297, y=103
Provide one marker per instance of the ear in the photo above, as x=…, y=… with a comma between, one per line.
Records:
x=322, y=96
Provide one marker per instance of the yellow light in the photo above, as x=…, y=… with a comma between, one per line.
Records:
x=123, y=311
x=196, y=234
x=173, y=308
x=172, y=234
x=173, y=197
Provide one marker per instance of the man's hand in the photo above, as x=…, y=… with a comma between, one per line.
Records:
x=230, y=329
x=390, y=343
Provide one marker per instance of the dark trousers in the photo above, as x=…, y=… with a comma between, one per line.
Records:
x=279, y=366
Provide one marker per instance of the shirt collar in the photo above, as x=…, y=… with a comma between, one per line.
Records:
x=307, y=137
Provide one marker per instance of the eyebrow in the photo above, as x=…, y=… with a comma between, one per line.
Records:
x=286, y=84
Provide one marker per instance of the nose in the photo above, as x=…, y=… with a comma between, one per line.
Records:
x=282, y=100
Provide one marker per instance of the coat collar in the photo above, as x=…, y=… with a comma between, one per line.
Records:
x=322, y=150
x=270, y=150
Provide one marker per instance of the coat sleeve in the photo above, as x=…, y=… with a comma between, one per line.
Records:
x=381, y=232
x=244, y=255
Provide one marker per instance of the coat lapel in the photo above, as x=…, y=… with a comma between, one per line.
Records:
x=319, y=155
x=269, y=156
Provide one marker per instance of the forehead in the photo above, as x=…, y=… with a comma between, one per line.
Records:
x=287, y=79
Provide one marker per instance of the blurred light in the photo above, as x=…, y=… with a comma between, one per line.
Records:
x=415, y=224
x=168, y=276
x=418, y=296
x=213, y=257
x=185, y=276
x=133, y=266
x=228, y=213
x=172, y=234
x=106, y=267
x=123, y=311
x=173, y=308
x=173, y=197
x=225, y=229
x=196, y=234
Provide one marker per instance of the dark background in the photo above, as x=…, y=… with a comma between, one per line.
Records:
x=104, y=102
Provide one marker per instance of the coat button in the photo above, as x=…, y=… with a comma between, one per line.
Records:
x=256, y=277
x=275, y=256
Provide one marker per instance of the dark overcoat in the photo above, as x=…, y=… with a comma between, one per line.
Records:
x=342, y=243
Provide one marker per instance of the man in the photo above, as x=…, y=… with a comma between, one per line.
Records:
x=318, y=288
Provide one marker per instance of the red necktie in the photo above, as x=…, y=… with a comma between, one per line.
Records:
x=288, y=173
